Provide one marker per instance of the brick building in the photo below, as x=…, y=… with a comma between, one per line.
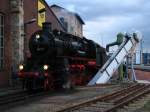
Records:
x=5, y=40
x=71, y=21
x=18, y=20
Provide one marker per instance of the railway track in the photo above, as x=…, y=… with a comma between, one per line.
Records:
x=111, y=102
x=20, y=95
x=57, y=100
x=16, y=97
x=12, y=97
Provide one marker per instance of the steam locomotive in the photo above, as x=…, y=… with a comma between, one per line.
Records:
x=60, y=60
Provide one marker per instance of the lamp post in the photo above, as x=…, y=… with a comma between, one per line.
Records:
x=141, y=51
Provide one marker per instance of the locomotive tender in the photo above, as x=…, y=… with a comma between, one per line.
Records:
x=60, y=60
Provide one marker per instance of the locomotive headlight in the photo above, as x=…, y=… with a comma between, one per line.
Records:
x=37, y=36
x=21, y=67
x=45, y=67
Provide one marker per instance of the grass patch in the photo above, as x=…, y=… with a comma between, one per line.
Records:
x=147, y=106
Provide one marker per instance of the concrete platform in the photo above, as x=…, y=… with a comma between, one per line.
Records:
x=142, y=67
x=143, y=81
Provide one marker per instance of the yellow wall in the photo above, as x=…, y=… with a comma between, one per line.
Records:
x=41, y=15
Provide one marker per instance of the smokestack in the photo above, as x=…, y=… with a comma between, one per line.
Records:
x=47, y=26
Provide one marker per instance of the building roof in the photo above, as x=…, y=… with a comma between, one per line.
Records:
x=79, y=18
x=77, y=15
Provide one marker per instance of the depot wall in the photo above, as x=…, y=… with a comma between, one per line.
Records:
x=30, y=11
x=5, y=70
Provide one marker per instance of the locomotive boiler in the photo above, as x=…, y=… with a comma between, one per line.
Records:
x=60, y=60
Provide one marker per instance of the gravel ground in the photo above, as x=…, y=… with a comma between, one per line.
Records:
x=146, y=104
x=141, y=105
x=61, y=100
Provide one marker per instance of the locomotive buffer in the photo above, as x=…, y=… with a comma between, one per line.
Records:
x=112, y=64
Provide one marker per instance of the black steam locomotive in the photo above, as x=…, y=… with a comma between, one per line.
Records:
x=60, y=60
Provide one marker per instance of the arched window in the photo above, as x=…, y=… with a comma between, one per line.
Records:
x=1, y=40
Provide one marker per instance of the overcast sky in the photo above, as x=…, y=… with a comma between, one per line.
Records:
x=105, y=18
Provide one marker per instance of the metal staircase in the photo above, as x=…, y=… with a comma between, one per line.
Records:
x=112, y=64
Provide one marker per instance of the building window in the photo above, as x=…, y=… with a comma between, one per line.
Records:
x=64, y=23
x=1, y=41
x=62, y=19
x=72, y=29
